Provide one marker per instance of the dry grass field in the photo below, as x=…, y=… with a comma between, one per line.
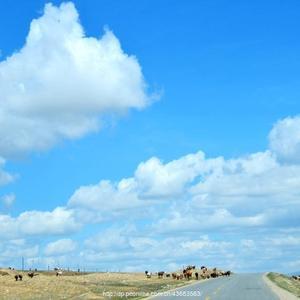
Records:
x=286, y=282
x=81, y=286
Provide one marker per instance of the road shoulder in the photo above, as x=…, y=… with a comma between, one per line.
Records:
x=281, y=293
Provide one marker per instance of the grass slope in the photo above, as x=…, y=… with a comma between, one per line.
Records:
x=286, y=282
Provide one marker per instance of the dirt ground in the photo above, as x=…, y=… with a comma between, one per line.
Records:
x=83, y=286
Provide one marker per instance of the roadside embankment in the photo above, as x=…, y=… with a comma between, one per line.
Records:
x=283, y=286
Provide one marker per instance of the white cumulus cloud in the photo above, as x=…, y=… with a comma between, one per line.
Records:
x=61, y=82
x=36, y=223
x=156, y=179
x=285, y=139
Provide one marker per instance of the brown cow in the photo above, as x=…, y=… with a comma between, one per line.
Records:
x=32, y=274
x=187, y=273
x=161, y=274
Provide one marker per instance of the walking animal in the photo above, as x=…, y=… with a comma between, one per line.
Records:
x=18, y=277
x=32, y=274
x=160, y=274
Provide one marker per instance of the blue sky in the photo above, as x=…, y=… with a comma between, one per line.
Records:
x=207, y=76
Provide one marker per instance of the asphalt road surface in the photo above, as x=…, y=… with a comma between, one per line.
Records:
x=235, y=287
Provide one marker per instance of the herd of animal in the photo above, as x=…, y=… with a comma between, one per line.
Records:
x=296, y=277
x=19, y=277
x=189, y=272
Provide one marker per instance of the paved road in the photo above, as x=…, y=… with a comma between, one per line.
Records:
x=235, y=287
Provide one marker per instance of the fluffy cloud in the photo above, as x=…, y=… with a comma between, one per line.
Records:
x=224, y=193
x=239, y=177
x=60, y=247
x=106, y=200
x=36, y=223
x=58, y=221
x=155, y=179
x=152, y=183
x=285, y=139
x=61, y=82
